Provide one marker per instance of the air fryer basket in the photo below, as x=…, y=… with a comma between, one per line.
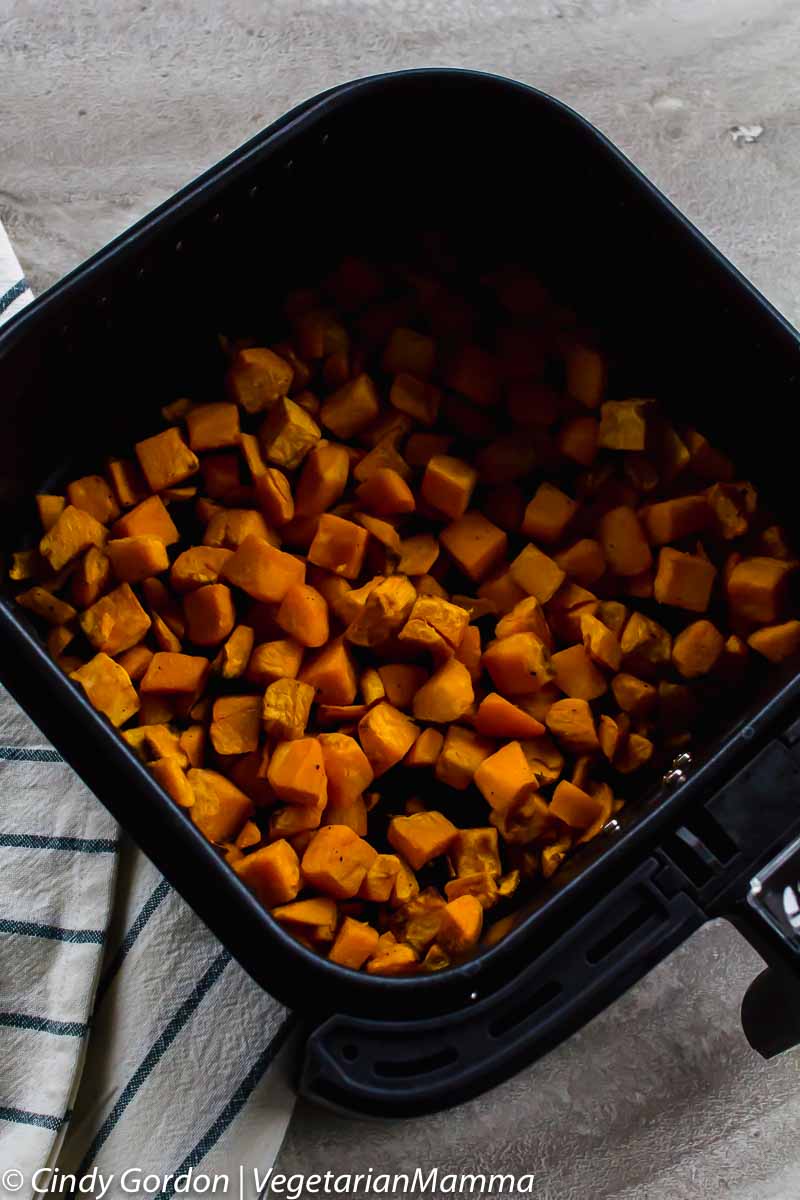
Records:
x=510, y=175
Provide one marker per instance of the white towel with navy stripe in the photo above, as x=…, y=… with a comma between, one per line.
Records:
x=129, y=1038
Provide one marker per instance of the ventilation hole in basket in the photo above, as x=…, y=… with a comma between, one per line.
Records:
x=620, y=933
x=424, y=1065
x=349, y=1052
x=513, y=1017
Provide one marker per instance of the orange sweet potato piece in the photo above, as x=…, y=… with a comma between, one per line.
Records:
x=585, y=375
x=50, y=509
x=338, y=546
x=257, y=378
x=435, y=624
x=220, y=809
x=426, y=749
x=303, y=615
x=347, y=767
x=398, y=959
x=278, y=659
x=526, y=616
x=548, y=514
x=518, y=664
x=116, y=621
x=379, y=881
x=633, y=695
x=316, y=917
x=401, y=682
x=470, y=652
x=671, y=520
x=331, y=673
x=417, y=554
x=355, y=943
x=352, y=408
x=336, y=861
x=210, y=614
x=536, y=573
x=232, y=660
x=776, y=642
x=575, y=807
x=697, y=649
x=757, y=589
x=150, y=518
x=460, y=924
x=505, y=778
x=71, y=533
x=583, y=561
x=274, y=496
x=192, y=742
x=446, y=696
x=286, y=708
x=108, y=688
x=135, y=558
x=461, y=755
x=448, y=484
x=263, y=572
x=229, y=527
x=168, y=674
x=577, y=440
x=571, y=722
x=419, y=399
x=288, y=433
x=135, y=661
x=386, y=736
x=169, y=773
x=475, y=544
x=212, y=426
x=624, y=544
x=352, y=813
x=47, y=606
x=623, y=424
x=646, y=646
x=93, y=495
x=421, y=837
x=422, y=447
x=684, y=580
x=385, y=493
x=385, y=611
x=498, y=717
x=236, y=724
x=296, y=772
x=600, y=643
x=165, y=459
x=634, y=753
x=322, y=479
x=272, y=873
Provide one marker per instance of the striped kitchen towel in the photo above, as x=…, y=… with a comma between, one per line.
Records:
x=129, y=1038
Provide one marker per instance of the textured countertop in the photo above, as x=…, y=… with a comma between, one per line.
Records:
x=106, y=108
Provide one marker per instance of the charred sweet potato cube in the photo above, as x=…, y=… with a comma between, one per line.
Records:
x=257, y=378
x=108, y=688
x=475, y=544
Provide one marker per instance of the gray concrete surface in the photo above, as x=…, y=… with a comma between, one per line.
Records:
x=106, y=108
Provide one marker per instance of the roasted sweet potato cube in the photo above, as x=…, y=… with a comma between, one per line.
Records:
x=263, y=572
x=577, y=440
x=518, y=664
x=286, y=708
x=474, y=372
x=634, y=696
x=446, y=696
x=684, y=580
x=422, y=447
x=586, y=375
x=502, y=591
x=697, y=649
x=150, y=518
x=646, y=646
x=71, y=533
x=379, y=881
x=169, y=674
x=116, y=621
x=475, y=544
x=671, y=520
x=417, y=554
x=505, y=778
x=303, y=615
x=210, y=614
x=274, y=496
x=435, y=624
x=583, y=561
x=272, y=873
x=47, y=606
x=385, y=494
x=336, y=861
x=499, y=718
x=600, y=643
x=352, y=408
x=386, y=736
x=230, y=527
x=257, y=378
x=757, y=589
x=92, y=494
x=220, y=809
x=347, y=767
x=386, y=610
x=461, y=755
x=624, y=544
x=536, y=573
x=419, y=399
x=338, y=546
x=526, y=616
x=448, y=484
x=296, y=772
x=776, y=642
x=571, y=723
x=355, y=942
x=421, y=837
x=212, y=426
x=331, y=673
x=197, y=566
x=171, y=776
x=279, y=659
x=623, y=424
x=461, y=924
x=50, y=509
x=575, y=807
x=136, y=558
x=236, y=724
x=288, y=433
x=399, y=959
x=401, y=682
x=108, y=688
x=548, y=514
x=165, y=459
x=426, y=749
x=136, y=661
x=635, y=752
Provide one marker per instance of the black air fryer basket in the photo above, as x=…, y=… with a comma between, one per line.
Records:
x=518, y=177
